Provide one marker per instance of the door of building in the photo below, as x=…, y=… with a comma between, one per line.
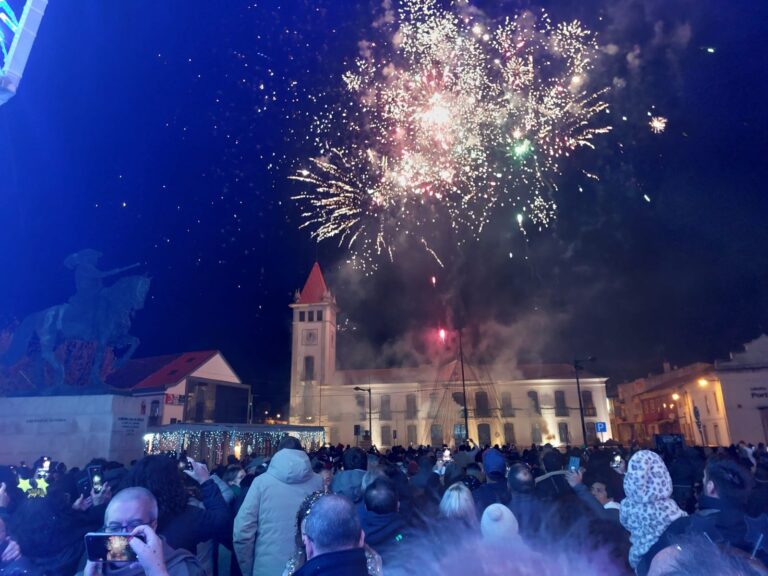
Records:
x=484, y=434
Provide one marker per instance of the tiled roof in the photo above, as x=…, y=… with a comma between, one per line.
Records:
x=158, y=372
x=314, y=288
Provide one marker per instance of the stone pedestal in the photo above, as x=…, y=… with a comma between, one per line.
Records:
x=72, y=429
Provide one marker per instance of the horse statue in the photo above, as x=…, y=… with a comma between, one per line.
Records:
x=101, y=315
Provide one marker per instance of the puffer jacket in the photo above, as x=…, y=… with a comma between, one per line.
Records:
x=265, y=527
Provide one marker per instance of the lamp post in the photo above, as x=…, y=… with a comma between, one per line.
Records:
x=370, y=411
x=577, y=365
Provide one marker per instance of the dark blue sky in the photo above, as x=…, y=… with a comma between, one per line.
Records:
x=163, y=133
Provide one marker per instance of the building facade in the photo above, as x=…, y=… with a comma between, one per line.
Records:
x=192, y=387
x=425, y=404
x=744, y=379
x=687, y=401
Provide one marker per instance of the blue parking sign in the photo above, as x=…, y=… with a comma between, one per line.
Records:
x=601, y=427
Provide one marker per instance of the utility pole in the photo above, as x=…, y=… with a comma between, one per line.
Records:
x=464, y=390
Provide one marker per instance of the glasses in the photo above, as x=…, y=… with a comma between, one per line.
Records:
x=114, y=527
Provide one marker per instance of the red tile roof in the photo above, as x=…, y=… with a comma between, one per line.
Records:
x=314, y=288
x=158, y=372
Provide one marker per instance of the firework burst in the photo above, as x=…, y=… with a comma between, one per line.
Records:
x=445, y=120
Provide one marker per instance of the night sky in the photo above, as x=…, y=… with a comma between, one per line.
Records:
x=164, y=133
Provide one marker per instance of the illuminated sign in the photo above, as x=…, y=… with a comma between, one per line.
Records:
x=19, y=22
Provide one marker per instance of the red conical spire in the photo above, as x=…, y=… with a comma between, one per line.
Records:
x=314, y=288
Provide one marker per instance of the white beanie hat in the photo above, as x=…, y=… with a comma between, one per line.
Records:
x=499, y=524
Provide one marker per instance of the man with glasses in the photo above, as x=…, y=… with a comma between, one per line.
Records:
x=134, y=510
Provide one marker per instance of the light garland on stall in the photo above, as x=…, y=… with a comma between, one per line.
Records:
x=215, y=444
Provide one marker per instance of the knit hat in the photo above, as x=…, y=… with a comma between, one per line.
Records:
x=498, y=524
x=493, y=462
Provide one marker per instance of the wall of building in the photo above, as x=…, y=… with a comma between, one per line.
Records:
x=216, y=369
x=342, y=408
x=72, y=429
x=745, y=394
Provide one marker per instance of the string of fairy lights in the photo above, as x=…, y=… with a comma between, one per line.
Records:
x=215, y=444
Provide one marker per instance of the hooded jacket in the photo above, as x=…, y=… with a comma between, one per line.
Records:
x=647, y=510
x=265, y=526
x=383, y=532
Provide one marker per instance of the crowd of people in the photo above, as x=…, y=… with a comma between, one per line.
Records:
x=345, y=511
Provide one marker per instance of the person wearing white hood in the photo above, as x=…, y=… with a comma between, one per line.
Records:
x=265, y=525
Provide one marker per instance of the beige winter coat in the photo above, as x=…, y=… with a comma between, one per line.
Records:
x=265, y=526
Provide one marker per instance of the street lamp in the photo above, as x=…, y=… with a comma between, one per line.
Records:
x=577, y=365
x=370, y=411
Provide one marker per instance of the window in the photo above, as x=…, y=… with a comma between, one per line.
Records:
x=535, y=432
x=560, y=408
x=411, y=411
x=386, y=435
x=432, y=404
x=706, y=434
x=334, y=435
x=154, y=413
x=717, y=405
x=311, y=316
x=482, y=409
x=717, y=435
x=436, y=435
x=533, y=398
x=360, y=401
x=562, y=430
x=411, y=433
x=706, y=403
x=319, y=315
x=509, y=433
x=484, y=434
x=506, y=405
x=385, y=408
x=309, y=368
x=589, y=403
x=459, y=433
x=591, y=432
x=302, y=316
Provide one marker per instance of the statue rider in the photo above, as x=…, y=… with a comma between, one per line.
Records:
x=88, y=283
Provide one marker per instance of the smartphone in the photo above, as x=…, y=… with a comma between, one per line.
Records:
x=616, y=462
x=96, y=477
x=185, y=464
x=41, y=473
x=109, y=547
x=574, y=463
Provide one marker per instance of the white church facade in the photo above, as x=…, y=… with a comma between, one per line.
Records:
x=515, y=404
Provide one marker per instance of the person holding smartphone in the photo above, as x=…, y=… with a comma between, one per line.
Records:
x=132, y=515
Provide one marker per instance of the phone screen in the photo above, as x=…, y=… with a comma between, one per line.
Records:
x=574, y=463
x=109, y=547
x=616, y=461
x=96, y=476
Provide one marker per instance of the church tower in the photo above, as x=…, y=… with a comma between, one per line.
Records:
x=313, y=348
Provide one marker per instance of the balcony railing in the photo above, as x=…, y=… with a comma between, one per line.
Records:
x=562, y=411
